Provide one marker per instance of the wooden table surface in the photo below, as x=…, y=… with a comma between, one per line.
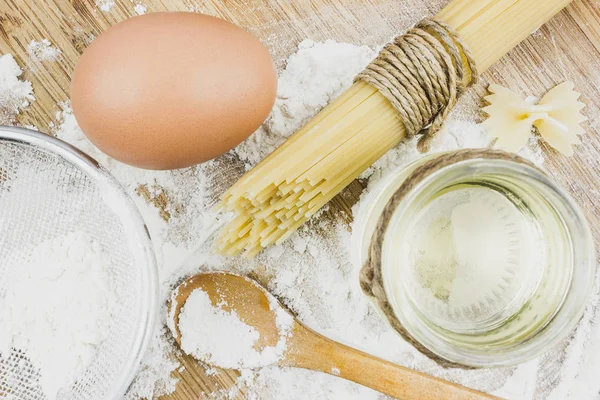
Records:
x=568, y=47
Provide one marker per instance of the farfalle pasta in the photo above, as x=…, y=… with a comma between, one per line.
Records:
x=556, y=116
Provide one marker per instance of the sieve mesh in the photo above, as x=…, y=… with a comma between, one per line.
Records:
x=47, y=192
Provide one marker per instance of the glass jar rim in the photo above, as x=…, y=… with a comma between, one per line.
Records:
x=578, y=292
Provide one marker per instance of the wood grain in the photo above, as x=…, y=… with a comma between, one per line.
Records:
x=315, y=352
x=568, y=47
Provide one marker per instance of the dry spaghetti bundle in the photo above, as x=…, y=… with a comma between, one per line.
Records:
x=407, y=90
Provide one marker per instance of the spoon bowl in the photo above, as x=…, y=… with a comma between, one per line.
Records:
x=231, y=292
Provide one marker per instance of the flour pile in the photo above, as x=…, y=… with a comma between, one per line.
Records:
x=140, y=9
x=15, y=94
x=314, y=76
x=235, y=344
x=57, y=308
x=105, y=5
x=312, y=273
x=42, y=50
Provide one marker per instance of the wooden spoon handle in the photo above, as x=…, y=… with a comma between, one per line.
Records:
x=315, y=352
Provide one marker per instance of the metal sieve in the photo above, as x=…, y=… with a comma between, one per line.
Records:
x=49, y=189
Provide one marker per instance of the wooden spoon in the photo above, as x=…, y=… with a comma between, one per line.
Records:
x=310, y=350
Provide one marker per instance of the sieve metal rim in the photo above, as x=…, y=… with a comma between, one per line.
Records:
x=150, y=291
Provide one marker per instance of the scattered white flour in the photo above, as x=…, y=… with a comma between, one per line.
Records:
x=140, y=9
x=191, y=220
x=314, y=76
x=219, y=337
x=154, y=379
x=15, y=94
x=105, y=5
x=312, y=274
x=42, y=51
x=57, y=308
x=456, y=134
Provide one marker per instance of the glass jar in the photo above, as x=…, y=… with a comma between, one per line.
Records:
x=476, y=257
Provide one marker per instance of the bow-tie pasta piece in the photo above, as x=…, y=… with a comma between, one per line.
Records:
x=562, y=125
x=505, y=118
x=557, y=117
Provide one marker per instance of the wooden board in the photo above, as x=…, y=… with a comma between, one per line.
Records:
x=568, y=47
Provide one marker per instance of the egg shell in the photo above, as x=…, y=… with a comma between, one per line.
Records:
x=172, y=89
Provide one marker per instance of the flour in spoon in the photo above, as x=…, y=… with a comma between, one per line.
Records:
x=56, y=311
x=219, y=337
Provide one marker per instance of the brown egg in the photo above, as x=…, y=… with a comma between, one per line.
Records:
x=169, y=90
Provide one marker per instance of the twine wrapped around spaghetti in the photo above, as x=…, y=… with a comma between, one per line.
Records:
x=422, y=74
x=371, y=278
x=409, y=89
